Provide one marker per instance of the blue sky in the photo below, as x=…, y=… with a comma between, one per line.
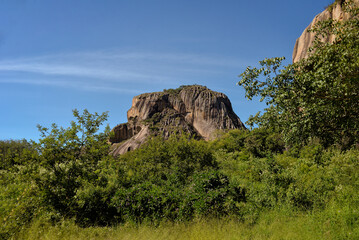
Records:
x=56, y=56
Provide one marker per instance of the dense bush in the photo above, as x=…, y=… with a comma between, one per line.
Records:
x=307, y=179
x=173, y=160
x=176, y=179
x=147, y=202
x=210, y=194
x=69, y=175
x=12, y=152
x=259, y=142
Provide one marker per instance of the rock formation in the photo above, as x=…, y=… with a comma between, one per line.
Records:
x=193, y=109
x=305, y=41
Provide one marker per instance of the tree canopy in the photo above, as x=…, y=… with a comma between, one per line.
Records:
x=317, y=97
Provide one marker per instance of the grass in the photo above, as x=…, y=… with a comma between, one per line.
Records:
x=273, y=225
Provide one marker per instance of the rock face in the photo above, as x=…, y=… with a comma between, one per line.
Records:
x=305, y=41
x=194, y=109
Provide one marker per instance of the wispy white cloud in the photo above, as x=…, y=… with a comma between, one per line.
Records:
x=107, y=69
x=78, y=70
x=73, y=84
x=178, y=58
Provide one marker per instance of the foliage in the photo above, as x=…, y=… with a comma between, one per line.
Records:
x=173, y=160
x=307, y=179
x=317, y=97
x=275, y=225
x=175, y=91
x=69, y=174
x=18, y=203
x=68, y=158
x=210, y=194
x=149, y=203
x=178, y=180
x=164, y=180
x=11, y=152
x=49, y=178
x=259, y=142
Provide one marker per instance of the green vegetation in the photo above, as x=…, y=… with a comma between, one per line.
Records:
x=296, y=176
x=176, y=91
x=11, y=151
x=274, y=225
x=244, y=183
x=318, y=97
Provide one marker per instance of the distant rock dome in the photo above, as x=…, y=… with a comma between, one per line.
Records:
x=305, y=41
x=193, y=109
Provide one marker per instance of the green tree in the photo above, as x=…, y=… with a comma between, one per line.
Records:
x=317, y=97
x=69, y=160
x=12, y=152
x=173, y=160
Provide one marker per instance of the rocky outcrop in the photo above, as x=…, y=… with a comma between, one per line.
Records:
x=193, y=109
x=305, y=41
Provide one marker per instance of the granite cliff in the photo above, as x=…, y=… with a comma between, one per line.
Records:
x=193, y=109
x=305, y=41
